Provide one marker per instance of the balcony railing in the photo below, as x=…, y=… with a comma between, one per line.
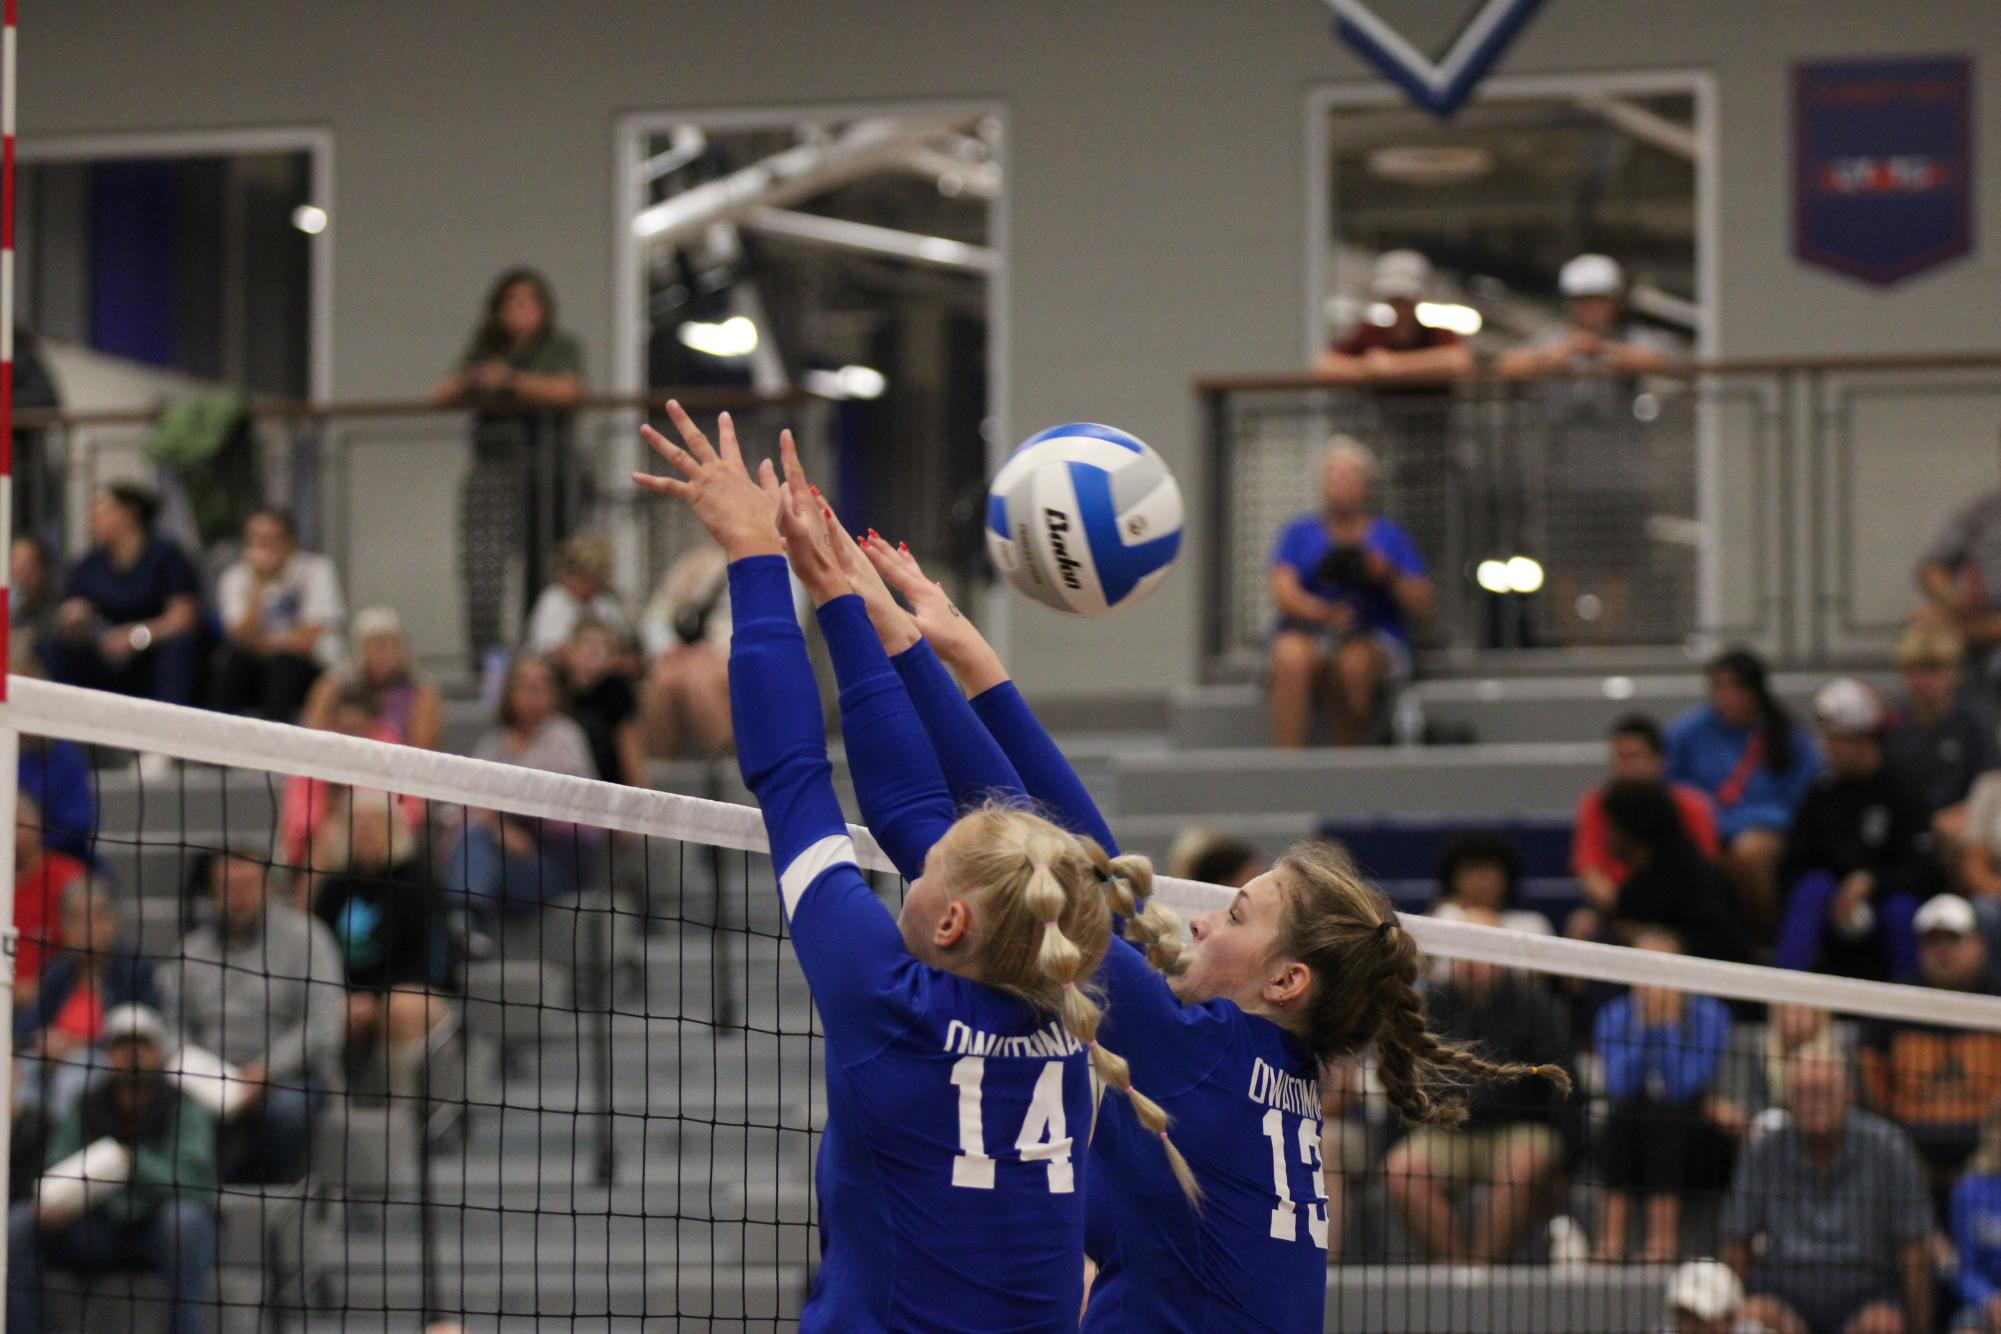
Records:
x=1781, y=504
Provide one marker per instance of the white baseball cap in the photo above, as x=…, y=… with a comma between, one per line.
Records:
x=1591, y=275
x=136, y=1021
x=1946, y=912
x=1400, y=273
x=1850, y=707
x=1706, y=1289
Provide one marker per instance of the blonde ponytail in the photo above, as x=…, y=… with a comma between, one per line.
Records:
x=1046, y=925
x=1151, y=928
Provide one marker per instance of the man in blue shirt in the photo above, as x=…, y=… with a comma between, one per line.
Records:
x=1347, y=583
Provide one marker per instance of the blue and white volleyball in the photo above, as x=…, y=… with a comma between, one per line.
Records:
x=1084, y=518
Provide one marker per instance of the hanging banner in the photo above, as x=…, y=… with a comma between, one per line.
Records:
x=1882, y=165
x=1437, y=84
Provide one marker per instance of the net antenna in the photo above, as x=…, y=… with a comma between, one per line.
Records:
x=10, y=740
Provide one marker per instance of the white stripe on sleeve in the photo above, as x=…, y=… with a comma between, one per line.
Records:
x=810, y=865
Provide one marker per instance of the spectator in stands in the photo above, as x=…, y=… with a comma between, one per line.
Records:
x=404, y=702
x=1978, y=856
x=1669, y=882
x=130, y=618
x=57, y=775
x=686, y=634
x=521, y=375
x=1936, y=1082
x=1975, y=1218
x=1483, y=872
x=1858, y=856
x=1706, y=1297
x=1594, y=334
x=41, y=877
x=1755, y=764
x=1512, y=1141
x=31, y=600
x=91, y=975
x=1214, y=858
x=604, y=703
x=1638, y=753
x=1661, y=1050
x=580, y=592
x=1348, y=582
x=1940, y=741
x=162, y=1217
x=261, y=985
x=1827, y=1220
x=306, y=804
x=506, y=863
x=281, y=621
x=1404, y=347
x=387, y=915
x=1751, y=1087
x=1960, y=576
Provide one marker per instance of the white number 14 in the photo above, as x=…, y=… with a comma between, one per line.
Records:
x=1284, y=1221
x=1044, y=1137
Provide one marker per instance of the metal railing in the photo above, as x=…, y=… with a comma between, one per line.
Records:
x=382, y=487
x=1780, y=504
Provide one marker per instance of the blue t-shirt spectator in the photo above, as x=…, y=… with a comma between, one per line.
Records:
x=140, y=593
x=1305, y=546
x=1667, y=1062
x=1705, y=752
x=1976, y=1235
x=57, y=775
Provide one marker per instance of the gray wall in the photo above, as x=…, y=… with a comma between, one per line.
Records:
x=1156, y=191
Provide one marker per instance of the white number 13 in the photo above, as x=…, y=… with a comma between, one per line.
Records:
x=1284, y=1221
x=1044, y=1137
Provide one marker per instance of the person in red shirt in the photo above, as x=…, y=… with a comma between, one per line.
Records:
x=1405, y=348
x=40, y=877
x=1637, y=753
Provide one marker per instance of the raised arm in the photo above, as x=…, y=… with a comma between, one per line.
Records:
x=1045, y=773
x=849, y=948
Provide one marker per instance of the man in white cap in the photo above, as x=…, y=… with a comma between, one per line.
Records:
x=1857, y=858
x=1938, y=1083
x=1592, y=335
x=1404, y=348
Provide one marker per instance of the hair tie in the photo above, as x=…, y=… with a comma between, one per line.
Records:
x=1067, y=986
x=1383, y=928
x=1048, y=922
x=1038, y=866
x=1163, y=1137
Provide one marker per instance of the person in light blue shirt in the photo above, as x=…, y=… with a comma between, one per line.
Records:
x=1347, y=582
x=1661, y=1051
x=1755, y=763
x=960, y=1040
x=1976, y=1233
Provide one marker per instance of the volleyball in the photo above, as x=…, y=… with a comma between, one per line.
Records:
x=1084, y=518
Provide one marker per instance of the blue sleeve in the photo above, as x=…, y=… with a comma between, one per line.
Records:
x=1045, y=774
x=898, y=783
x=1286, y=550
x=1975, y=1258
x=1681, y=747
x=1171, y=1047
x=1696, y=1050
x=57, y=775
x=1622, y=1050
x=973, y=761
x=1401, y=550
x=863, y=979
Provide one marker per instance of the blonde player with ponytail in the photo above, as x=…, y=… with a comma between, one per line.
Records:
x=961, y=1037
x=1306, y=965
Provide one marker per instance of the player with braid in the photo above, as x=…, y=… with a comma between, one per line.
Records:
x=1307, y=964
x=960, y=1036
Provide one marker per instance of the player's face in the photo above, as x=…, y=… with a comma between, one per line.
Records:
x=1233, y=947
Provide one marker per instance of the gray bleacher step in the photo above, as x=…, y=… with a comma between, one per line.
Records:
x=1441, y=779
x=1268, y=833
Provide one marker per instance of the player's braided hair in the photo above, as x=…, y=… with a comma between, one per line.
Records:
x=1045, y=926
x=1365, y=971
x=1152, y=928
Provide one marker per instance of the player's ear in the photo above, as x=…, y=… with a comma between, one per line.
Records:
x=1287, y=982
x=952, y=925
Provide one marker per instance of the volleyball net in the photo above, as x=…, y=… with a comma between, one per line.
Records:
x=328, y=1033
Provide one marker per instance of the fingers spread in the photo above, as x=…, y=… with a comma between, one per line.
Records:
x=726, y=432
x=691, y=434
x=767, y=479
x=668, y=450
x=666, y=486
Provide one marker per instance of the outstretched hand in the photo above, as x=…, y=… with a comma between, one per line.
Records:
x=806, y=525
x=738, y=512
x=957, y=640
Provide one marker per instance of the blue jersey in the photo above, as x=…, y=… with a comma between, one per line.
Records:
x=950, y=1177
x=1244, y=1099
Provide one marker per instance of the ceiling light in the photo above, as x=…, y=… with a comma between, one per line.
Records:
x=734, y=337
x=310, y=219
x=1462, y=320
x=847, y=382
x=1430, y=164
x=1524, y=574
